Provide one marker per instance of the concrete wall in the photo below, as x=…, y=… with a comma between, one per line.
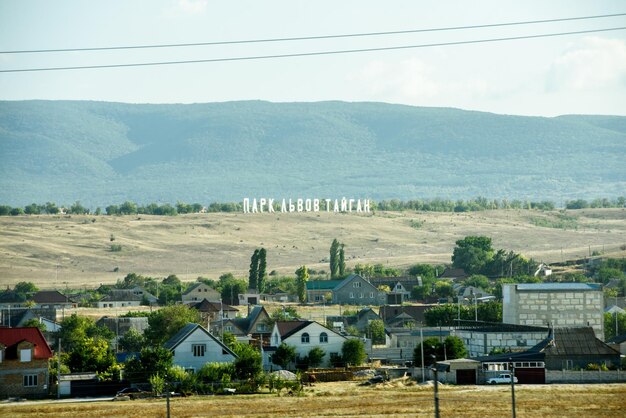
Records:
x=183, y=353
x=585, y=376
x=559, y=308
x=481, y=343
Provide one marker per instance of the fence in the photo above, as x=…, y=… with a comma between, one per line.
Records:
x=585, y=376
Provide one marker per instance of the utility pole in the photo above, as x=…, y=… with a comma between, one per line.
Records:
x=59, y=372
x=512, y=387
x=434, y=369
x=422, y=348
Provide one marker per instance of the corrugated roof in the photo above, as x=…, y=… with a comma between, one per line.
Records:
x=322, y=284
x=10, y=337
x=576, y=342
x=181, y=335
x=50, y=296
x=559, y=286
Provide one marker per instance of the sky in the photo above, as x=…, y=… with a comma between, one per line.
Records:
x=574, y=74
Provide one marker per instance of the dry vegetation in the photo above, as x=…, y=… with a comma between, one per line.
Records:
x=59, y=251
x=397, y=398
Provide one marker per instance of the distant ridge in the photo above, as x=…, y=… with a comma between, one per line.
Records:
x=102, y=153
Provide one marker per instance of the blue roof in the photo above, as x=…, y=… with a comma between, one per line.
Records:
x=559, y=286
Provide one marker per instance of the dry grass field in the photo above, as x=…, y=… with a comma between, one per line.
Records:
x=347, y=399
x=75, y=251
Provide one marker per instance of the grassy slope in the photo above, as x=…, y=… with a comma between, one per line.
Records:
x=55, y=251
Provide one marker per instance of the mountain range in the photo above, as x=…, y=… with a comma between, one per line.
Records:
x=102, y=153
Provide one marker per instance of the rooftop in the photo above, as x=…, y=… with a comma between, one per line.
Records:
x=559, y=286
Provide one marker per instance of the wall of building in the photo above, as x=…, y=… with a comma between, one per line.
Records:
x=184, y=356
x=482, y=343
x=557, y=308
x=12, y=378
x=334, y=344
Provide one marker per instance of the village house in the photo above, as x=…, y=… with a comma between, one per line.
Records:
x=24, y=355
x=353, y=290
x=305, y=335
x=122, y=298
x=193, y=346
x=200, y=291
x=254, y=326
x=399, y=287
x=481, y=338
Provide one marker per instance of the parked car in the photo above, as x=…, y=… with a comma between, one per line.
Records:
x=133, y=393
x=502, y=378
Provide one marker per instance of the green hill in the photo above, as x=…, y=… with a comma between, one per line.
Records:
x=103, y=153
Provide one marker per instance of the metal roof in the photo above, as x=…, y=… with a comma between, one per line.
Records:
x=559, y=286
x=322, y=284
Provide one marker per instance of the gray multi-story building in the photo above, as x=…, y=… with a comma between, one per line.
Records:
x=554, y=305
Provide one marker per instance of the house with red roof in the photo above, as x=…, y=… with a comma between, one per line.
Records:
x=24, y=355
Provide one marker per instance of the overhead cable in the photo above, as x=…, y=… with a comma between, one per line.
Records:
x=306, y=38
x=308, y=54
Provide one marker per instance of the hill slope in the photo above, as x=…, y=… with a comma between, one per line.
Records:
x=103, y=153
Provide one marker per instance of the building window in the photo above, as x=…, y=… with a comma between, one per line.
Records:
x=26, y=355
x=304, y=339
x=356, y=284
x=361, y=295
x=568, y=364
x=351, y=295
x=228, y=328
x=323, y=337
x=30, y=380
x=198, y=350
x=371, y=295
x=261, y=328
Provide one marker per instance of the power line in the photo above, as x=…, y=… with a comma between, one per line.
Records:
x=308, y=54
x=307, y=38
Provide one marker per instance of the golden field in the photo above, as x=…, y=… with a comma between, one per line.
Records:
x=347, y=399
x=75, y=251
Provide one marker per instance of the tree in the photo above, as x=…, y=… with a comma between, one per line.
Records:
x=91, y=355
x=151, y=361
x=342, y=261
x=25, y=290
x=353, y=352
x=478, y=280
x=284, y=355
x=231, y=288
x=132, y=341
x=249, y=364
x=253, y=274
x=376, y=331
x=451, y=348
x=262, y=272
x=302, y=275
x=76, y=329
x=472, y=254
x=444, y=289
x=334, y=259
x=34, y=322
x=421, y=270
x=167, y=321
x=610, y=323
x=288, y=313
x=315, y=357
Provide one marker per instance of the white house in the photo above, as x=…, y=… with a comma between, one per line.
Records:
x=305, y=335
x=200, y=291
x=193, y=346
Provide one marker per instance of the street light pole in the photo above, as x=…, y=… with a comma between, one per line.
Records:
x=512, y=387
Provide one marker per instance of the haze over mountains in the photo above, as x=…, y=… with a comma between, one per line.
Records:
x=105, y=153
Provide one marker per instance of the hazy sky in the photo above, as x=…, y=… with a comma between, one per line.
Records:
x=547, y=76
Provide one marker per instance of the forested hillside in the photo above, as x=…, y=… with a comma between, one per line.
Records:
x=103, y=153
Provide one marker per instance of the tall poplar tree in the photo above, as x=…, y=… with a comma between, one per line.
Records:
x=262, y=271
x=302, y=275
x=253, y=276
x=334, y=259
x=342, y=262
